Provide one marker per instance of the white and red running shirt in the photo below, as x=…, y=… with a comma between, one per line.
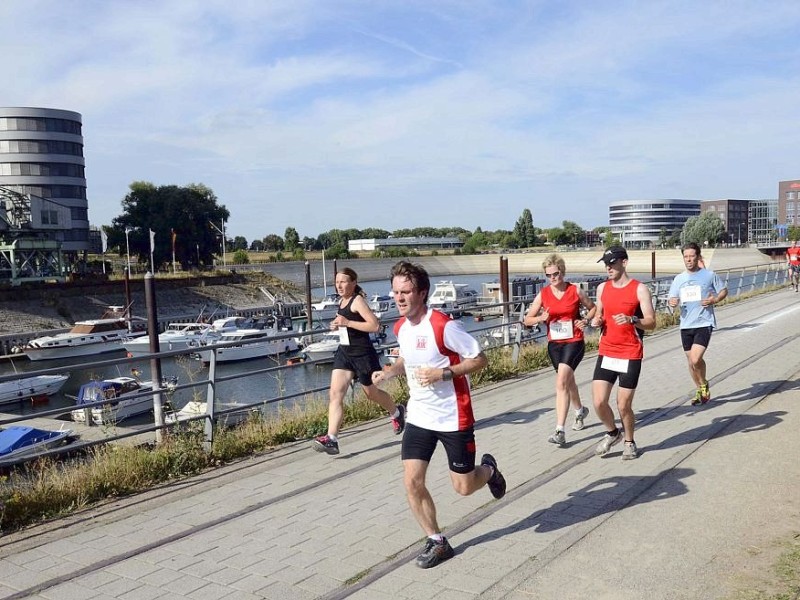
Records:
x=438, y=342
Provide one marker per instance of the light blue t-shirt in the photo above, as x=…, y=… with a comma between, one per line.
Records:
x=690, y=289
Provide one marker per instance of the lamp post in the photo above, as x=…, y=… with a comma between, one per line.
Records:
x=128, y=249
x=222, y=233
x=740, y=234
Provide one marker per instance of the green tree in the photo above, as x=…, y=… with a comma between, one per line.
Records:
x=257, y=246
x=273, y=243
x=524, y=231
x=290, y=239
x=185, y=212
x=573, y=233
x=238, y=243
x=707, y=227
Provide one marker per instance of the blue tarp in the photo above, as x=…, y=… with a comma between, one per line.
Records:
x=16, y=437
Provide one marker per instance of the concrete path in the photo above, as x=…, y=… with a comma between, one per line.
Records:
x=696, y=515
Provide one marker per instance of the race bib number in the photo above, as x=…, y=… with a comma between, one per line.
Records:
x=561, y=330
x=411, y=377
x=618, y=365
x=690, y=293
x=344, y=337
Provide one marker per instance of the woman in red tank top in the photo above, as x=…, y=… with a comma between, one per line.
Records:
x=559, y=306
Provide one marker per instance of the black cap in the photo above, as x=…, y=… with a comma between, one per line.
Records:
x=613, y=254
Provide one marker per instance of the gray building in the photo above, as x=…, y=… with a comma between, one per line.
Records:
x=642, y=223
x=42, y=173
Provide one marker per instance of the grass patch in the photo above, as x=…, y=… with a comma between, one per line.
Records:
x=782, y=582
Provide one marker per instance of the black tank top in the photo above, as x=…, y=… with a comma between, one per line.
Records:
x=359, y=340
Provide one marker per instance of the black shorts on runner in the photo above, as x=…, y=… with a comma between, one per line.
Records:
x=628, y=380
x=697, y=335
x=569, y=353
x=419, y=444
x=363, y=365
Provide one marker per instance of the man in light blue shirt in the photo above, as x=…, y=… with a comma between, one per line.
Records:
x=696, y=290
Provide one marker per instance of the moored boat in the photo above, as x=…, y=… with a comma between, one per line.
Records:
x=94, y=336
x=177, y=336
x=125, y=397
x=196, y=408
x=454, y=298
x=19, y=440
x=384, y=307
x=31, y=387
x=255, y=339
x=326, y=309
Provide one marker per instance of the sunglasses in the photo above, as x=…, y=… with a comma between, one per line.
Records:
x=551, y=275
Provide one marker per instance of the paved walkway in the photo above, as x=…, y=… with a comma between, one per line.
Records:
x=715, y=486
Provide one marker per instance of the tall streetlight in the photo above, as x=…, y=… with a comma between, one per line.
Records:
x=222, y=233
x=740, y=234
x=128, y=249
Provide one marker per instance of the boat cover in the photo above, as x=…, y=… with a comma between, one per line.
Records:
x=18, y=436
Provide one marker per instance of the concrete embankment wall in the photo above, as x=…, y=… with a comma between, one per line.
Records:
x=667, y=262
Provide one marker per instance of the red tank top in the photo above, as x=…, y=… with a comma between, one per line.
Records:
x=620, y=341
x=566, y=308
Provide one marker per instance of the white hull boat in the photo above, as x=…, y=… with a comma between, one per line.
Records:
x=31, y=387
x=326, y=309
x=17, y=441
x=177, y=336
x=384, y=307
x=258, y=340
x=324, y=349
x=86, y=338
x=454, y=298
x=125, y=396
x=195, y=409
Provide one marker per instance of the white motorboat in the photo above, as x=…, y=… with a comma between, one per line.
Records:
x=256, y=339
x=509, y=334
x=86, y=338
x=454, y=298
x=18, y=440
x=31, y=387
x=194, y=409
x=326, y=309
x=324, y=349
x=384, y=307
x=177, y=336
x=126, y=396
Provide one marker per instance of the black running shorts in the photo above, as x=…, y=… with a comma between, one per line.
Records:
x=363, y=365
x=628, y=380
x=698, y=335
x=419, y=444
x=570, y=353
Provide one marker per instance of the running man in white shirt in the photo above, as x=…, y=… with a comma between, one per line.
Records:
x=436, y=355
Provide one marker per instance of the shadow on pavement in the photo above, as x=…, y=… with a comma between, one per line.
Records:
x=595, y=499
x=721, y=426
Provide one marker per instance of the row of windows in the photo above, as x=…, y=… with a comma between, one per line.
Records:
x=40, y=147
x=79, y=214
x=42, y=169
x=51, y=191
x=39, y=124
x=654, y=206
x=49, y=217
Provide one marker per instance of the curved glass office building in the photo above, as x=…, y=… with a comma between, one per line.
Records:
x=640, y=223
x=41, y=158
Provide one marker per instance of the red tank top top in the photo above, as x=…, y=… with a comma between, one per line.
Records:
x=566, y=308
x=620, y=341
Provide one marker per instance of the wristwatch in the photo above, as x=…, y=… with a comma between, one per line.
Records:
x=447, y=374
x=634, y=320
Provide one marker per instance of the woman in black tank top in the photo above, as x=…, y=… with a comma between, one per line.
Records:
x=357, y=358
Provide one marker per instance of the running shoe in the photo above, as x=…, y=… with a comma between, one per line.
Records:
x=496, y=483
x=399, y=422
x=558, y=438
x=435, y=553
x=326, y=444
x=630, y=451
x=698, y=398
x=608, y=440
x=579, y=417
x=705, y=393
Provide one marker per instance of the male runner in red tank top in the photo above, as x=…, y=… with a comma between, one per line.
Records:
x=624, y=306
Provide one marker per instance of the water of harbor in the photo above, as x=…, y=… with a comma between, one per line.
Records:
x=245, y=388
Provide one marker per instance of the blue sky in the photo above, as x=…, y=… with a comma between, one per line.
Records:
x=321, y=114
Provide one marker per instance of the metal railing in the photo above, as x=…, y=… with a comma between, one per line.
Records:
x=738, y=281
